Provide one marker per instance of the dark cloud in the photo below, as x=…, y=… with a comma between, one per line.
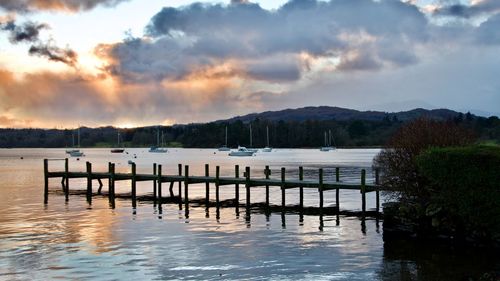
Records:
x=477, y=8
x=180, y=40
x=24, y=6
x=29, y=32
x=54, y=53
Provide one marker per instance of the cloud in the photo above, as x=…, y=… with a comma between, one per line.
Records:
x=488, y=32
x=476, y=8
x=54, y=53
x=25, y=6
x=181, y=40
x=68, y=98
x=29, y=32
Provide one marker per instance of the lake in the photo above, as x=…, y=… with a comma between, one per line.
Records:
x=64, y=240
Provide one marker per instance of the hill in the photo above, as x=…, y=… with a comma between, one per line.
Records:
x=322, y=113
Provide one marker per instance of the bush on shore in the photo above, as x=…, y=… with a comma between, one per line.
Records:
x=464, y=184
x=398, y=160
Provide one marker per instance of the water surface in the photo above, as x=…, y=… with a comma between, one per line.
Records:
x=64, y=240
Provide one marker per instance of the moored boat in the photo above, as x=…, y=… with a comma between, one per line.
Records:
x=224, y=147
x=242, y=151
x=267, y=148
x=118, y=150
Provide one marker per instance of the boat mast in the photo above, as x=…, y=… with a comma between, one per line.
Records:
x=267, y=133
x=250, y=135
x=73, y=138
x=326, y=144
x=78, y=136
x=329, y=138
x=118, y=139
x=226, y=136
x=158, y=137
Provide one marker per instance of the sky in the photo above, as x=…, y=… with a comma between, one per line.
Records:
x=127, y=63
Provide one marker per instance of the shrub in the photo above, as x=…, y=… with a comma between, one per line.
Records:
x=465, y=184
x=397, y=161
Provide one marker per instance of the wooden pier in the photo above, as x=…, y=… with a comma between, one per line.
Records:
x=185, y=179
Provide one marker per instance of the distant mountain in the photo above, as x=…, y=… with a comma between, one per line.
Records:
x=322, y=113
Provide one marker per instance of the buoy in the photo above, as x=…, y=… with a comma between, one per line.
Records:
x=22, y=157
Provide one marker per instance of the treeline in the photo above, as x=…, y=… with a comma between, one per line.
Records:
x=293, y=134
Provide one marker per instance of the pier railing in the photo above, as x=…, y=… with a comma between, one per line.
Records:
x=185, y=179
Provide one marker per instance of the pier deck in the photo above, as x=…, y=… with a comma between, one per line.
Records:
x=184, y=179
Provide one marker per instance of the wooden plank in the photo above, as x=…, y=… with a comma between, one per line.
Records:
x=66, y=179
x=363, y=191
x=301, y=190
x=236, y=186
x=154, y=183
x=89, y=182
x=217, y=174
x=283, y=203
x=247, y=188
x=267, y=173
x=159, y=180
x=186, y=187
x=133, y=185
x=320, y=189
x=46, y=181
x=337, y=190
x=207, y=185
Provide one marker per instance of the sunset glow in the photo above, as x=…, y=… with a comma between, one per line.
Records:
x=126, y=63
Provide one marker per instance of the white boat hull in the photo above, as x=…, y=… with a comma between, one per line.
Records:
x=158, y=150
x=241, y=153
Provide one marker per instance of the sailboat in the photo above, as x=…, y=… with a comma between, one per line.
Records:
x=76, y=152
x=224, y=148
x=118, y=150
x=69, y=151
x=328, y=142
x=267, y=148
x=157, y=148
x=251, y=149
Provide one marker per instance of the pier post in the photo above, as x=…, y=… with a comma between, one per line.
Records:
x=320, y=191
x=179, y=167
x=337, y=190
x=46, y=181
x=363, y=191
x=159, y=184
x=154, y=183
x=217, y=175
x=89, y=182
x=283, y=203
x=134, y=191
x=377, y=190
x=66, y=178
x=247, y=187
x=237, y=186
x=207, y=186
x=301, y=189
x=267, y=172
x=111, y=184
x=186, y=184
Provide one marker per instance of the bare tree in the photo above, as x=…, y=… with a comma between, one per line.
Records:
x=397, y=161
